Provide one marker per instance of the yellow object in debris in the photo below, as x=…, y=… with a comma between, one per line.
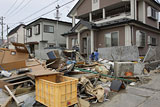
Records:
x=56, y=90
x=141, y=57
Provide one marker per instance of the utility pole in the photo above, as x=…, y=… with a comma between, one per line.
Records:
x=57, y=13
x=2, y=19
x=57, y=17
x=7, y=34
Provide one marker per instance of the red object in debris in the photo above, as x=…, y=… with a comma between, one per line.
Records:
x=128, y=74
x=68, y=103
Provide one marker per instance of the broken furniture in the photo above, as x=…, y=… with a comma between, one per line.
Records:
x=11, y=59
x=54, y=59
x=78, y=58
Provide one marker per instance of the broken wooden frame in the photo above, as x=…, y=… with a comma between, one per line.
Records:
x=18, y=103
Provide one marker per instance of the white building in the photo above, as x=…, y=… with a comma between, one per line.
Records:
x=43, y=33
x=16, y=35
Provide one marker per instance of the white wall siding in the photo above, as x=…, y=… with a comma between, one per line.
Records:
x=46, y=38
x=34, y=37
x=95, y=4
x=18, y=37
x=128, y=36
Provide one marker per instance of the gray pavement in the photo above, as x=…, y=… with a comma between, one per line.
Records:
x=146, y=95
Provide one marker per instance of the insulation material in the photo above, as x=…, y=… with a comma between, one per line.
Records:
x=102, y=69
x=97, y=91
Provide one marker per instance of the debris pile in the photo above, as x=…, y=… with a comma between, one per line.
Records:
x=66, y=77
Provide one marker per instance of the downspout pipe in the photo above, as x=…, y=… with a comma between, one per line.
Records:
x=131, y=27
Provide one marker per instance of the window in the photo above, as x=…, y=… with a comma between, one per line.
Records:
x=111, y=39
x=152, y=41
x=29, y=32
x=37, y=29
x=152, y=13
x=95, y=1
x=140, y=38
x=48, y=29
x=51, y=46
x=74, y=41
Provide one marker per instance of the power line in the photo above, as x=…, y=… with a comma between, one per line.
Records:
x=50, y=11
x=11, y=7
x=22, y=7
x=40, y=10
x=42, y=14
x=59, y=7
x=35, y=12
x=17, y=6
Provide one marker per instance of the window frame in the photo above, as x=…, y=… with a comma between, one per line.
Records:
x=95, y=1
x=48, y=27
x=29, y=31
x=37, y=27
x=140, y=45
x=153, y=44
x=111, y=38
x=75, y=41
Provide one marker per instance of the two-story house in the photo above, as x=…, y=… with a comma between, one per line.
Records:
x=16, y=35
x=44, y=32
x=107, y=23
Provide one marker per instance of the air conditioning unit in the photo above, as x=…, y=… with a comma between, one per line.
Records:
x=152, y=13
x=140, y=39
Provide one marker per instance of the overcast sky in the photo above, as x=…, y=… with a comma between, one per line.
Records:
x=15, y=11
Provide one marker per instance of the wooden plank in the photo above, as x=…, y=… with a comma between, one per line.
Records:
x=13, y=65
x=6, y=103
x=14, y=78
x=21, y=82
x=18, y=103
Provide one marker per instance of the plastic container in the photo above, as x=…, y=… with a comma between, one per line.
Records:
x=56, y=90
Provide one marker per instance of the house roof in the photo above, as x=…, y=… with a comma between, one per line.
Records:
x=46, y=19
x=125, y=21
x=89, y=25
x=118, y=22
x=156, y=2
x=69, y=33
x=14, y=30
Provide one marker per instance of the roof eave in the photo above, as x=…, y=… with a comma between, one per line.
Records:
x=74, y=8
